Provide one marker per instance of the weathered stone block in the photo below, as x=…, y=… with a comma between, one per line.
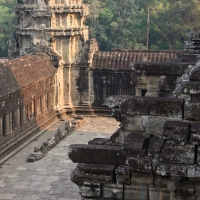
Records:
x=135, y=144
x=195, y=74
x=177, y=132
x=195, y=133
x=154, y=194
x=90, y=191
x=185, y=188
x=123, y=176
x=165, y=195
x=117, y=136
x=191, y=110
x=93, y=174
x=140, y=164
x=198, y=155
x=97, y=154
x=132, y=123
x=167, y=169
x=136, y=141
x=142, y=179
x=155, y=146
x=112, y=191
x=190, y=87
x=154, y=106
x=98, y=141
x=154, y=124
x=178, y=155
x=135, y=192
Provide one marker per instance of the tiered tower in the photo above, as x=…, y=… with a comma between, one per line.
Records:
x=55, y=27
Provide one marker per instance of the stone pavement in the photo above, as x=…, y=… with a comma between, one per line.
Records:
x=49, y=178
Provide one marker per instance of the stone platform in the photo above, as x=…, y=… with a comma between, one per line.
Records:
x=49, y=178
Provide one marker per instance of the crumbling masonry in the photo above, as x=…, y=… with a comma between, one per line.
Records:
x=155, y=154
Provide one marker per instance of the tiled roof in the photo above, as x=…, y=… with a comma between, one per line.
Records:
x=116, y=60
x=19, y=73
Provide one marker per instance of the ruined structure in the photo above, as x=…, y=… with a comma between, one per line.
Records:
x=155, y=153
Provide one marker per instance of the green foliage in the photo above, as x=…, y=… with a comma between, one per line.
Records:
x=126, y=24
x=7, y=22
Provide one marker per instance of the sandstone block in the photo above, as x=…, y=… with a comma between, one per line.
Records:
x=132, y=123
x=123, y=176
x=90, y=191
x=135, y=144
x=140, y=164
x=97, y=154
x=142, y=179
x=191, y=87
x=185, y=188
x=165, y=195
x=97, y=141
x=191, y=110
x=178, y=155
x=112, y=191
x=135, y=192
x=177, y=132
x=155, y=147
x=167, y=169
x=154, y=193
x=85, y=175
x=154, y=124
x=153, y=106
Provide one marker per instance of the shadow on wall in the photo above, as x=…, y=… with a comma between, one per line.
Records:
x=26, y=99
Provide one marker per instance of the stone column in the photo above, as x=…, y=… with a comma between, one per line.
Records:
x=67, y=86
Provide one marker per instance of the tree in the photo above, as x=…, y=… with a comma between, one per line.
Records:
x=7, y=23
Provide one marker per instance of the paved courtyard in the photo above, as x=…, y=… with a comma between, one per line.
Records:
x=49, y=178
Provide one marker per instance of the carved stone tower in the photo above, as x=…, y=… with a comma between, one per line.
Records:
x=56, y=27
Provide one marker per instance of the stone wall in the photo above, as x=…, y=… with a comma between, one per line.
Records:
x=154, y=154
x=26, y=99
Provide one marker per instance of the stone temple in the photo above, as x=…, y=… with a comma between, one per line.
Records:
x=55, y=69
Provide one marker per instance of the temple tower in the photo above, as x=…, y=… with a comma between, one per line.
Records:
x=55, y=27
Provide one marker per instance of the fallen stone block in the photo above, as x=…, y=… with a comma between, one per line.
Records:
x=177, y=132
x=178, y=155
x=123, y=176
x=97, y=154
x=153, y=106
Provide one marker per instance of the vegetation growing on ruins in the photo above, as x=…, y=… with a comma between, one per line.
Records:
x=126, y=24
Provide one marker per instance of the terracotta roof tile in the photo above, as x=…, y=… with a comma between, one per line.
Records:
x=19, y=73
x=116, y=60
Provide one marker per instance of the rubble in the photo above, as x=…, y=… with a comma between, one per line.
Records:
x=70, y=126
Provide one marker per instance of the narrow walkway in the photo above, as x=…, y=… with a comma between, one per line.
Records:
x=49, y=178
